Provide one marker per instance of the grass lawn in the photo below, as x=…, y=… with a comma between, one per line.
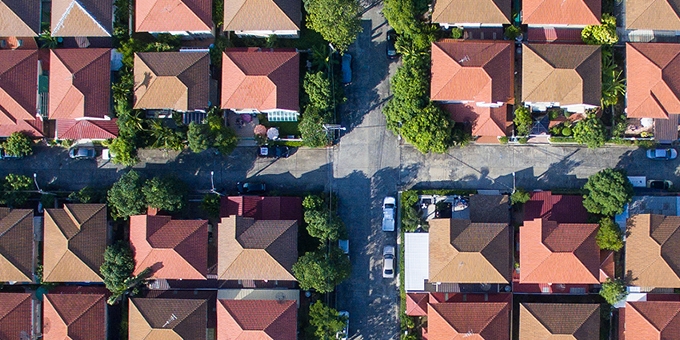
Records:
x=285, y=128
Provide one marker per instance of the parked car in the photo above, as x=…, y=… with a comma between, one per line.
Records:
x=389, y=206
x=82, y=152
x=344, y=246
x=391, y=49
x=660, y=184
x=274, y=151
x=250, y=188
x=346, y=68
x=388, y=262
x=344, y=333
x=662, y=154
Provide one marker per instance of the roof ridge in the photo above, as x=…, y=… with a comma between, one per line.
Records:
x=282, y=11
x=650, y=3
x=83, y=312
x=21, y=218
x=283, y=311
x=235, y=15
x=191, y=312
x=181, y=73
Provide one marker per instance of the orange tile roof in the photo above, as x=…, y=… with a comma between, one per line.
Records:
x=75, y=239
x=260, y=79
x=256, y=250
x=486, y=121
x=652, y=244
x=174, y=249
x=173, y=15
x=468, y=320
x=18, y=88
x=82, y=18
x=558, y=253
x=476, y=71
x=561, y=12
x=652, y=320
x=472, y=11
x=256, y=319
x=652, y=71
x=74, y=316
x=167, y=319
x=15, y=316
x=607, y=266
x=539, y=321
x=87, y=129
x=20, y=18
x=416, y=304
x=466, y=252
x=652, y=15
x=16, y=245
x=262, y=15
x=80, y=83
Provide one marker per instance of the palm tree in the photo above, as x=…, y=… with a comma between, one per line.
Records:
x=129, y=287
x=47, y=40
x=164, y=137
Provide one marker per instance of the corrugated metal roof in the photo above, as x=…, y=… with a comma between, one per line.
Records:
x=416, y=260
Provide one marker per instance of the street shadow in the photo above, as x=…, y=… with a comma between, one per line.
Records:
x=636, y=163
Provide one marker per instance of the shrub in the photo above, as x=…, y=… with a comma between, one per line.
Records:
x=523, y=120
x=519, y=196
x=456, y=33
x=311, y=128
x=609, y=235
x=16, y=187
x=590, y=131
x=512, y=32
x=566, y=131
x=503, y=139
x=18, y=144
x=523, y=140
x=211, y=205
x=603, y=34
x=198, y=137
x=613, y=291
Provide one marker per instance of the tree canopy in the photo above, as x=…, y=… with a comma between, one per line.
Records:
x=590, y=131
x=164, y=193
x=609, y=235
x=429, y=131
x=118, y=265
x=15, y=187
x=18, y=144
x=608, y=191
x=311, y=128
x=198, y=137
x=603, y=34
x=520, y=196
x=126, y=197
x=338, y=21
x=523, y=120
x=322, y=270
x=613, y=291
x=322, y=221
x=325, y=321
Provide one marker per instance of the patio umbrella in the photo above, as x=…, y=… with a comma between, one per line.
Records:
x=247, y=118
x=273, y=133
x=260, y=130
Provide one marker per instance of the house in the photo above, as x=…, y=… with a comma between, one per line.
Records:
x=256, y=250
x=87, y=129
x=557, y=208
x=471, y=13
x=462, y=320
x=162, y=318
x=261, y=319
x=80, y=89
x=281, y=18
x=474, y=81
x=658, y=15
x=176, y=81
x=651, y=248
x=16, y=316
x=568, y=76
x=82, y=18
x=256, y=80
x=188, y=18
x=262, y=208
x=559, y=320
x=20, y=18
x=653, y=320
x=75, y=238
x=561, y=13
x=16, y=245
x=174, y=249
x=652, y=92
x=74, y=316
x=19, y=92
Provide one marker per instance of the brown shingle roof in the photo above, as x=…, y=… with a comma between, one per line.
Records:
x=468, y=320
x=652, y=257
x=472, y=11
x=558, y=253
x=262, y=15
x=256, y=319
x=172, y=80
x=260, y=79
x=74, y=243
x=256, y=250
x=652, y=72
x=486, y=121
x=561, y=12
x=173, y=15
x=567, y=74
x=74, y=316
x=16, y=245
x=157, y=318
x=465, y=252
x=15, y=316
x=18, y=87
x=550, y=320
x=82, y=18
x=87, y=129
x=19, y=18
x=80, y=83
x=652, y=320
x=174, y=249
x=652, y=14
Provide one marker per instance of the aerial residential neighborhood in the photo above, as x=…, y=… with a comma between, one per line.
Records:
x=339, y=169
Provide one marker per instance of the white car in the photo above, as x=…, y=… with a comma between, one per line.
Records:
x=388, y=262
x=389, y=206
x=342, y=335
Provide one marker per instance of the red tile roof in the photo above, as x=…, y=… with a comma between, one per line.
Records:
x=261, y=79
x=18, y=91
x=173, y=15
x=416, y=304
x=486, y=121
x=15, y=316
x=652, y=72
x=256, y=319
x=463, y=320
x=558, y=208
x=87, y=129
x=561, y=12
x=174, y=249
x=607, y=266
x=74, y=316
x=80, y=83
x=652, y=320
x=558, y=253
x=262, y=208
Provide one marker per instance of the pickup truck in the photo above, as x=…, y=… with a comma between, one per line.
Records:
x=389, y=207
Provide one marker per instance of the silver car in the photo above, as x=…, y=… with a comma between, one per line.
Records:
x=81, y=152
x=388, y=262
x=662, y=154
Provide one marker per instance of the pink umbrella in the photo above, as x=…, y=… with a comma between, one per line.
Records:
x=260, y=130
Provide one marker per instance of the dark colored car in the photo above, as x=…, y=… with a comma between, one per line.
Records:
x=82, y=153
x=346, y=68
x=659, y=184
x=250, y=188
x=275, y=151
x=391, y=49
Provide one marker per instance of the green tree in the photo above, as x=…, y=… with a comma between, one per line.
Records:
x=402, y=15
x=311, y=128
x=325, y=225
x=16, y=187
x=18, y=145
x=429, y=131
x=321, y=270
x=164, y=193
x=199, y=137
x=608, y=191
x=224, y=138
x=117, y=266
x=325, y=321
x=523, y=120
x=613, y=291
x=609, y=235
x=211, y=205
x=613, y=83
x=338, y=21
x=88, y=195
x=124, y=150
x=520, y=196
x=126, y=197
x=320, y=93
x=604, y=34
x=590, y=131
x=164, y=137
